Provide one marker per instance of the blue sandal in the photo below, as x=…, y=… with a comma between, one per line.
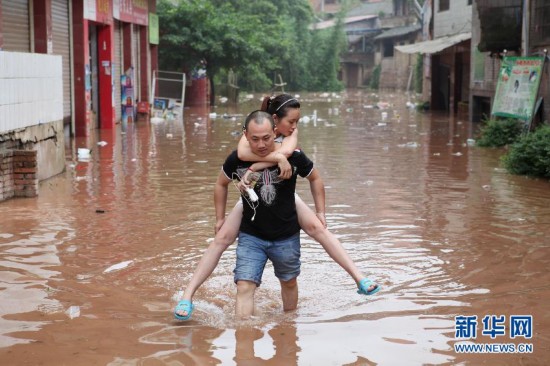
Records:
x=364, y=285
x=184, y=305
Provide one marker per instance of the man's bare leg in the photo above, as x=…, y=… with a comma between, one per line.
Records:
x=244, y=307
x=289, y=293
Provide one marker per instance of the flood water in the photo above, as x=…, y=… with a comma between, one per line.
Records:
x=90, y=269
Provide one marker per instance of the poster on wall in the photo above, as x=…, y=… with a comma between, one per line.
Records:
x=99, y=11
x=127, y=95
x=153, y=29
x=131, y=11
x=517, y=87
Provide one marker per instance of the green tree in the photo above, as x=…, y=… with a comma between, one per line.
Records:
x=256, y=39
x=216, y=33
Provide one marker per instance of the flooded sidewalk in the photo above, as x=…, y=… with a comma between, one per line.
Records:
x=91, y=268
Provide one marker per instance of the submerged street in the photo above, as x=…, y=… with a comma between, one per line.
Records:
x=90, y=270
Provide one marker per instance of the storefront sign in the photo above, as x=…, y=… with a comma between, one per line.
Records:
x=131, y=11
x=153, y=28
x=517, y=87
x=99, y=11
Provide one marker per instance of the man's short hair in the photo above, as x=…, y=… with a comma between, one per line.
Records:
x=258, y=117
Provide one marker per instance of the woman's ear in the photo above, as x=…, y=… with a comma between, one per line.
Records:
x=275, y=118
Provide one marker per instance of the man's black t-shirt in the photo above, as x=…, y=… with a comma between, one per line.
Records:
x=275, y=217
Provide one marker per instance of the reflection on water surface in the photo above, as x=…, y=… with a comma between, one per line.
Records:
x=438, y=223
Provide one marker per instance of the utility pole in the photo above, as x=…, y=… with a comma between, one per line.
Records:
x=525, y=27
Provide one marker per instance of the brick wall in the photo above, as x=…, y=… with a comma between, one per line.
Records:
x=18, y=176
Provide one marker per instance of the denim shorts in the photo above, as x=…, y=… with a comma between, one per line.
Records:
x=253, y=253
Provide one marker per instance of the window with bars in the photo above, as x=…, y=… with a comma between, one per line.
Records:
x=540, y=22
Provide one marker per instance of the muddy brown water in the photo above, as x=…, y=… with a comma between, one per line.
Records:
x=89, y=269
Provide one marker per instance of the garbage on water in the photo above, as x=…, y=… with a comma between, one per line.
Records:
x=384, y=115
x=457, y=153
x=102, y=143
x=213, y=115
x=116, y=267
x=471, y=142
x=383, y=105
x=169, y=135
x=83, y=152
x=412, y=145
x=157, y=119
x=411, y=105
x=73, y=311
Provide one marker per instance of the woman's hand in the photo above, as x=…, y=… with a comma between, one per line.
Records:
x=284, y=167
x=218, y=226
x=242, y=185
x=322, y=218
x=246, y=178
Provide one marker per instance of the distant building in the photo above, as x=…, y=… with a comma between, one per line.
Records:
x=362, y=25
x=447, y=56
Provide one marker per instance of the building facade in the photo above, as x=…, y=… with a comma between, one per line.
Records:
x=446, y=49
x=90, y=45
x=511, y=28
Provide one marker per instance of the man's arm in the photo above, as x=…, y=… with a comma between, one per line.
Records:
x=317, y=188
x=220, y=199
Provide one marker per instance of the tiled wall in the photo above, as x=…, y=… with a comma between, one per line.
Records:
x=31, y=90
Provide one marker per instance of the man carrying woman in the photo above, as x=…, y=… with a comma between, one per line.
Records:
x=285, y=111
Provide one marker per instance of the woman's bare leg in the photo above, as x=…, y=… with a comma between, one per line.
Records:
x=210, y=258
x=314, y=228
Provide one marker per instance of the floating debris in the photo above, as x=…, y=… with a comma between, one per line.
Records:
x=116, y=267
x=73, y=311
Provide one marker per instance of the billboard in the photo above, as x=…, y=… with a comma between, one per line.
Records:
x=517, y=87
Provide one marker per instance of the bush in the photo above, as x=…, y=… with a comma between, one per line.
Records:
x=499, y=133
x=530, y=155
x=375, y=78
